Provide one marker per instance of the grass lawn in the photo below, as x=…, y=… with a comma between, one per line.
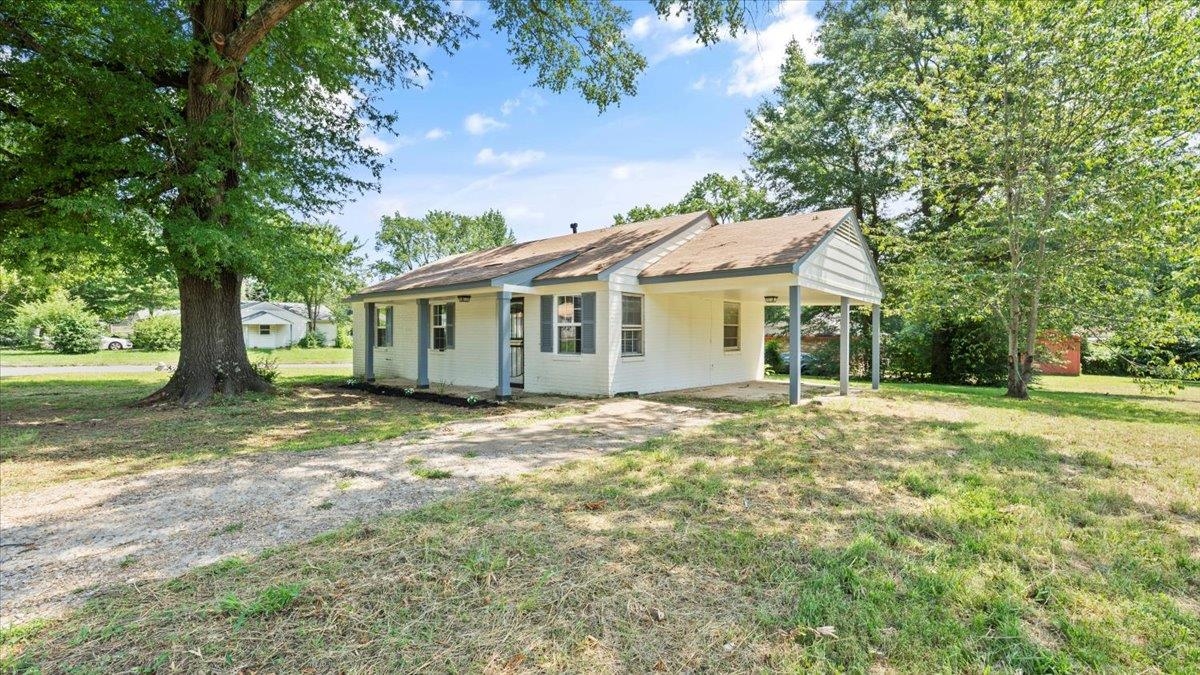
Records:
x=55, y=429
x=27, y=357
x=921, y=529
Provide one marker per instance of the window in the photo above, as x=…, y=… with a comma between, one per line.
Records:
x=381, y=326
x=631, y=325
x=441, y=326
x=733, y=321
x=570, y=324
x=264, y=329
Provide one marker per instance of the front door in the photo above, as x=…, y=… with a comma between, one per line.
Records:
x=516, y=341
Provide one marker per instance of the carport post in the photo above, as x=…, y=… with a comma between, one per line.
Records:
x=504, y=351
x=423, y=343
x=369, y=352
x=844, y=355
x=875, y=346
x=794, y=344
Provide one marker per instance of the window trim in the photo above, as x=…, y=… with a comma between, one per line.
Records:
x=639, y=327
x=576, y=323
x=381, y=326
x=724, y=306
x=261, y=326
x=434, y=327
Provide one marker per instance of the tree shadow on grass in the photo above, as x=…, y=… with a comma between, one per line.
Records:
x=924, y=545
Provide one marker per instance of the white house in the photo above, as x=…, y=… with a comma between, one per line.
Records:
x=270, y=325
x=670, y=303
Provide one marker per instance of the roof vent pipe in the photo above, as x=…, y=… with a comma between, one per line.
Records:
x=574, y=228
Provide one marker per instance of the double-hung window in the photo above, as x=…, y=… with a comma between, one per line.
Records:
x=569, y=319
x=631, y=325
x=381, y=327
x=264, y=329
x=441, y=327
x=732, y=326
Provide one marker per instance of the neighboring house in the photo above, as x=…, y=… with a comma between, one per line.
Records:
x=270, y=325
x=670, y=303
x=1059, y=354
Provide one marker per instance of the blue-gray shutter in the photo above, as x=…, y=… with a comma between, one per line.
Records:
x=547, y=323
x=449, y=325
x=391, y=324
x=587, y=340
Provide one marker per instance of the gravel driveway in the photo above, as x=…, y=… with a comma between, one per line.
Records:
x=62, y=543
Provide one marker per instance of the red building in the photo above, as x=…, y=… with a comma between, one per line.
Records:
x=1059, y=354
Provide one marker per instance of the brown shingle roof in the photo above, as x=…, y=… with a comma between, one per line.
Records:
x=748, y=245
x=591, y=251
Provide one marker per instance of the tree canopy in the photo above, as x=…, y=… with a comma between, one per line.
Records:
x=407, y=243
x=728, y=199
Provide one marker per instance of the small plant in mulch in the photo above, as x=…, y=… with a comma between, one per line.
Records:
x=432, y=474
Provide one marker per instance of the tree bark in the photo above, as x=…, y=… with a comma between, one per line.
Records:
x=212, y=355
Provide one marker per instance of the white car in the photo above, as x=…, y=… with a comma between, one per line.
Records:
x=115, y=343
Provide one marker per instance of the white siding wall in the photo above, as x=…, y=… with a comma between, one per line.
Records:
x=328, y=331
x=278, y=337
x=684, y=346
x=581, y=374
x=473, y=362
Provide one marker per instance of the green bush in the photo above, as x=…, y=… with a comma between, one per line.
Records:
x=157, y=333
x=267, y=368
x=975, y=352
x=311, y=340
x=773, y=357
x=343, y=339
x=37, y=320
x=76, y=334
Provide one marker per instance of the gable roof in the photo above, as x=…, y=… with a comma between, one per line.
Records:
x=767, y=244
x=251, y=308
x=569, y=256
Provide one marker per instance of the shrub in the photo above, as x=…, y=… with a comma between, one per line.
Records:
x=311, y=339
x=267, y=368
x=343, y=339
x=76, y=334
x=157, y=333
x=36, y=320
x=974, y=352
x=772, y=356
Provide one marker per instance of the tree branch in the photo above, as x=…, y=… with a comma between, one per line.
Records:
x=255, y=28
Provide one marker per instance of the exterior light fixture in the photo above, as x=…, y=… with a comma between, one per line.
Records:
x=464, y=298
x=771, y=298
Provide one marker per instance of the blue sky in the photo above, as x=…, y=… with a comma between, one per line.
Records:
x=478, y=136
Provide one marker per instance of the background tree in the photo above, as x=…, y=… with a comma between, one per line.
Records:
x=407, y=243
x=727, y=199
x=1079, y=119
x=325, y=270
x=185, y=145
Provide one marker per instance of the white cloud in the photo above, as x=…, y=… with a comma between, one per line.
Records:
x=383, y=147
x=509, y=105
x=761, y=53
x=436, y=134
x=642, y=26
x=620, y=172
x=700, y=83
x=510, y=160
x=683, y=45
x=477, y=124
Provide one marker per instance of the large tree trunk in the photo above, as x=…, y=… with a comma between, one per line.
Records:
x=212, y=356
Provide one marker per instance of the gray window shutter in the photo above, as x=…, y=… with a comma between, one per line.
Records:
x=449, y=325
x=547, y=323
x=391, y=324
x=587, y=341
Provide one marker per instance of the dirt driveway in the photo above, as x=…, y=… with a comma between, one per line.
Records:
x=62, y=543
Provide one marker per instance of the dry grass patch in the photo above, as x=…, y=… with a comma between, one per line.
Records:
x=960, y=534
x=54, y=430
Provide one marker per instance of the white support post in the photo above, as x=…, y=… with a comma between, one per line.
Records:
x=794, y=344
x=844, y=355
x=875, y=312
x=504, y=353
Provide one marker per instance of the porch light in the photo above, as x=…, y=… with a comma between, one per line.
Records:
x=464, y=298
x=771, y=298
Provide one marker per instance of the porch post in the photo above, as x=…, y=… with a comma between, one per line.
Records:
x=844, y=356
x=369, y=353
x=875, y=346
x=423, y=343
x=794, y=344
x=503, y=351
